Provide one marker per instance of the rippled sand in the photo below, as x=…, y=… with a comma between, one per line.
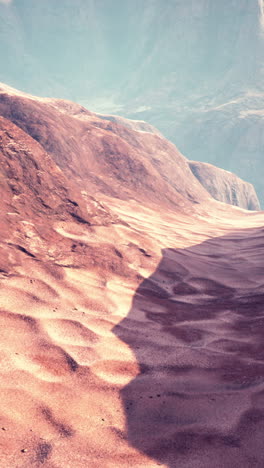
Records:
x=160, y=364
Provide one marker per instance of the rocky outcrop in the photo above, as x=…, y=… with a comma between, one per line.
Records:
x=225, y=186
x=38, y=202
x=32, y=185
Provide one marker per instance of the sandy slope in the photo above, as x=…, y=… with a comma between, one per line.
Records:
x=158, y=364
x=131, y=334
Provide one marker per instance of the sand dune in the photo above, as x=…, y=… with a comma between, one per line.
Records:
x=161, y=364
x=131, y=323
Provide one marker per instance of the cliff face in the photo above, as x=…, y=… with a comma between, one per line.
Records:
x=31, y=183
x=225, y=186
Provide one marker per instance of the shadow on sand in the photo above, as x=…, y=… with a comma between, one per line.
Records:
x=196, y=329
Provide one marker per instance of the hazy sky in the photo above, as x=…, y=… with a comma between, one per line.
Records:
x=192, y=68
x=108, y=52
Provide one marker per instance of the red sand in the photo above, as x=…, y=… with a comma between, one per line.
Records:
x=106, y=369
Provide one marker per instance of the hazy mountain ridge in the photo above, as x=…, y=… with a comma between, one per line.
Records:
x=176, y=65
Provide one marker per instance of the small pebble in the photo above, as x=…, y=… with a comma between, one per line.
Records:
x=24, y=450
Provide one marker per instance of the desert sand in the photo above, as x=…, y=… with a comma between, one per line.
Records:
x=160, y=364
x=131, y=302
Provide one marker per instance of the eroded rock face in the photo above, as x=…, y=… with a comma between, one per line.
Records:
x=30, y=178
x=38, y=202
x=225, y=186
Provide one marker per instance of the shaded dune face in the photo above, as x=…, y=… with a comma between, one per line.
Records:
x=196, y=330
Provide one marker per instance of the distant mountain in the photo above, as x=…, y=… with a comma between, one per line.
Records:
x=225, y=186
x=192, y=69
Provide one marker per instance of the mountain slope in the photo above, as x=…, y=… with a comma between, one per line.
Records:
x=37, y=200
x=104, y=156
x=225, y=186
x=111, y=155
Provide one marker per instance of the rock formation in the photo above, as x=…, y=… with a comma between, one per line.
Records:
x=37, y=199
x=104, y=156
x=225, y=186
